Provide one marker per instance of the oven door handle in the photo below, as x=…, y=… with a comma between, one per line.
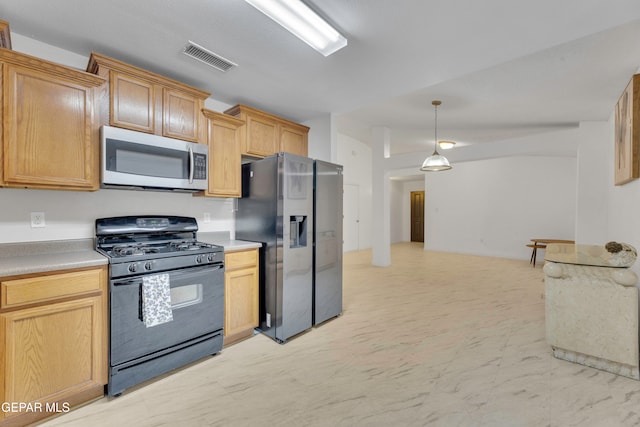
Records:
x=137, y=280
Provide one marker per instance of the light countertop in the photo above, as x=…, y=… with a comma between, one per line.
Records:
x=223, y=239
x=40, y=257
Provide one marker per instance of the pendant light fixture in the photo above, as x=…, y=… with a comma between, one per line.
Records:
x=435, y=162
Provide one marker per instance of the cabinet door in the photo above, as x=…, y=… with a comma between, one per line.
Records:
x=181, y=115
x=53, y=352
x=293, y=140
x=132, y=102
x=225, y=160
x=48, y=135
x=241, y=301
x=241, y=295
x=262, y=136
x=2, y=132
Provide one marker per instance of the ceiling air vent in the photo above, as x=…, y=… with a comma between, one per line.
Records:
x=204, y=55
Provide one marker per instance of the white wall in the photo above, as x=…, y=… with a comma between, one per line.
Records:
x=355, y=157
x=623, y=207
x=624, y=215
x=605, y=212
x=493, y=207
x=46, y=51
x=595, y=177
x=397, y=211
x=321, y=139
x=215, y=105
x=71, y=214
x=381, y=197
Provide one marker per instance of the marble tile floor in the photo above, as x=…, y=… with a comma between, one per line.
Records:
x=436, y=339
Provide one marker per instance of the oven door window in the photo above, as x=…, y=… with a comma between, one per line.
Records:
x=184, y=296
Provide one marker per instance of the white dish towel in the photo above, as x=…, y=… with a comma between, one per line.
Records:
x=156, y=300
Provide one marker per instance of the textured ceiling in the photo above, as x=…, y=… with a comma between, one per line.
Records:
x=502, y=68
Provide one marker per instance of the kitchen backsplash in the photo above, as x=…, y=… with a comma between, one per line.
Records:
x=71, y=215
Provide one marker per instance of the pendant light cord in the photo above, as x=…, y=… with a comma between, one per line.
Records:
x=435, y=146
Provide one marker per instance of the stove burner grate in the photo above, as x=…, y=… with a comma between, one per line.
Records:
x=132, y=250
x=186, y=246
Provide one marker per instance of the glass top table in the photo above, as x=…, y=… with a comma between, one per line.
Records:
x=593, y=255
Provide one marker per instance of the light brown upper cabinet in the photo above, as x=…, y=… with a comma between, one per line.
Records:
x=266, y=134
x=225, y=159
x=293, y=138
x=132, y=102
x=5, y=34
x=141, y=100
x=49, y=130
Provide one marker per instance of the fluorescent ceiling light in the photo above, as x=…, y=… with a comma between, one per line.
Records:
x=303, y=22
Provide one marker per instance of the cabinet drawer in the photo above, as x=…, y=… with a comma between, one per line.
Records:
x=19, y=292
x=241, y=259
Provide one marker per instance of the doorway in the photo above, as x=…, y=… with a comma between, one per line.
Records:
x=417, y=216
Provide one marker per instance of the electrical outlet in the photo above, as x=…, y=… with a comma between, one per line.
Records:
x=37, y=220
x=206, y=217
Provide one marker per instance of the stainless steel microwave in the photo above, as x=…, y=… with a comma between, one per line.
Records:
x=142, y=161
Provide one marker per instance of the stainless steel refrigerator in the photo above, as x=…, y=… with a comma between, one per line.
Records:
x=327, y=260
x=276, y=209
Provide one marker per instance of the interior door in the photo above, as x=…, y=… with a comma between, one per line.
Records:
x=417, y=216
x=351, y=218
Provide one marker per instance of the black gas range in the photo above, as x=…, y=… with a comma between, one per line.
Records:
x=166, y=296
x=148, y=244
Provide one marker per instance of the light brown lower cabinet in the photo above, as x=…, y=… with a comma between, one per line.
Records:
x=54, y=337
x=241, y=295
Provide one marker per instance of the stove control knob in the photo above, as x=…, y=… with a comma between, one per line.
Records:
x=199, y=259
x=148, y=266
x=210, y=257
x=133, y=268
